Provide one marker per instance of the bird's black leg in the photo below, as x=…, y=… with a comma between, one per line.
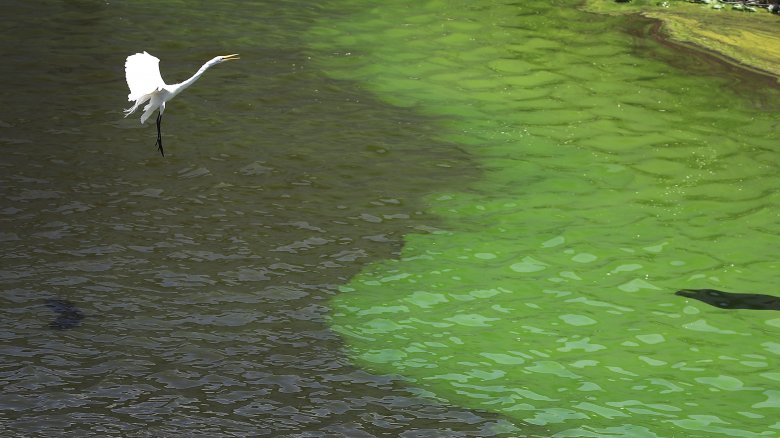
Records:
x=159, y=135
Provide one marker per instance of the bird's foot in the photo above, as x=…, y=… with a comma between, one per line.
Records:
x=160, y=146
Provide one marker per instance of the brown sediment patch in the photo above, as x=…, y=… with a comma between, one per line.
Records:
x=748, y=41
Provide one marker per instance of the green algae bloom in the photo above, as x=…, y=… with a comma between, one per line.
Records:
x=609, y=178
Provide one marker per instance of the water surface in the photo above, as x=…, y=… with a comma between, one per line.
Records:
x=492, y=204
x=203, y=277
x=613, y=172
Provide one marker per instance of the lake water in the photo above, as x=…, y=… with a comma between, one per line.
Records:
x=387, y=219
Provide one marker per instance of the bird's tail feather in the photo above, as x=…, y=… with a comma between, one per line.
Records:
x=148, y=110
x=137, y=104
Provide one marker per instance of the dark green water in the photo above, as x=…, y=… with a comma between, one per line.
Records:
x=205, y=276
x=493, y=202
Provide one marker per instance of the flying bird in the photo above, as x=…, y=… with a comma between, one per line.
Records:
x=142, y=71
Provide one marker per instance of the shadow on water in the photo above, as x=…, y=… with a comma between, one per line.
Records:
x=210, y=269
x=68, y=315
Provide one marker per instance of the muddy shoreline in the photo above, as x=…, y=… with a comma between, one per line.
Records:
x=746, y=42
x=752, y=75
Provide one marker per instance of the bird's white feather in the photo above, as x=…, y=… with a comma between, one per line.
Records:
x=142, y=72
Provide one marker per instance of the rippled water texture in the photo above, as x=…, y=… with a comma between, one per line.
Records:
x=613, y=172
x=186, y=295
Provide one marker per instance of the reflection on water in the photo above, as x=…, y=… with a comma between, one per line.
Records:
x=204, y=277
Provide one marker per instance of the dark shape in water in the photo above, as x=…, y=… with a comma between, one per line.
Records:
x=68, y=315
x=731, y=300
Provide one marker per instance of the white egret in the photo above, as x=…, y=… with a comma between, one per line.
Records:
x=142, y=71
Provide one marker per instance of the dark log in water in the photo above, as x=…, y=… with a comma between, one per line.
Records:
x=732, y=300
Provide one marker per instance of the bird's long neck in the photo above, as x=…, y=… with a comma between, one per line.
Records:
x=181, y=86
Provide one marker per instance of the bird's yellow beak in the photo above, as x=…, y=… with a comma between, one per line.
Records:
x=232, y=57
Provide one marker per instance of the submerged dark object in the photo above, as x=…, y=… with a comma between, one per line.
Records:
x=68, y=315
x=732, y=300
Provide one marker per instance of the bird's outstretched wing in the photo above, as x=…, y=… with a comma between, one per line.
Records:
x=142, y=72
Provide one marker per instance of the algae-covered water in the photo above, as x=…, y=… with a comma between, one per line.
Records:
x=613, y=172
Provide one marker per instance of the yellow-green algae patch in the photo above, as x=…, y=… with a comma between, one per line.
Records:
x=749, y=39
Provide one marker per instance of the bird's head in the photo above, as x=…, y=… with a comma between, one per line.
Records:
x=224, y=58
x=220, y=59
